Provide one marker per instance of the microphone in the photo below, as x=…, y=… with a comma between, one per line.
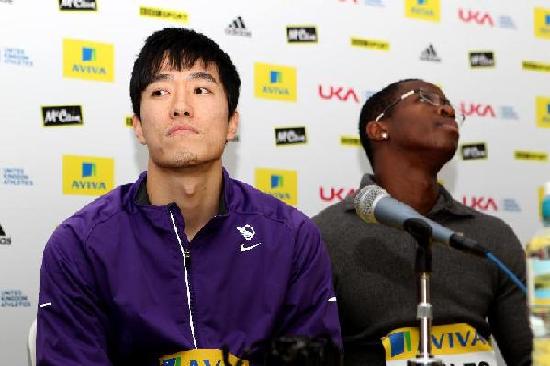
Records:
x=374, y=205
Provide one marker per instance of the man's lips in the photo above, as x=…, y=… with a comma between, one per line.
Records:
x=448, y=122
x=181, y=128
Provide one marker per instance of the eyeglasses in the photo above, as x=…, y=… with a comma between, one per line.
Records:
x=426, y=97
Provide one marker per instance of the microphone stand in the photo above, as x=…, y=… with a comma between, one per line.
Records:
x=422, y=233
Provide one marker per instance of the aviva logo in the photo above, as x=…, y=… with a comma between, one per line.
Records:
x=281, y=184
x=88, y=60
x=275, y=82
x=400, y=342
x=85, y=175
x=200, y=357
x=452, y=339
x=423, y=9
x=543, y=112
x=542, y=23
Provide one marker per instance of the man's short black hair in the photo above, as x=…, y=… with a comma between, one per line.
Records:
x=181, y=48
x=373, y=107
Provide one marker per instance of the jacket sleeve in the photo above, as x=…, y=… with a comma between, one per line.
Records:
x=72, y=326
x=310, y=306
x=508, y=314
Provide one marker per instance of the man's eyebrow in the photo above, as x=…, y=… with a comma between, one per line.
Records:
x=162, y=77
x=202, y=75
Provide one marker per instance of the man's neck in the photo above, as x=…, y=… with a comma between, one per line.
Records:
x=196, y=191
x=412, y=184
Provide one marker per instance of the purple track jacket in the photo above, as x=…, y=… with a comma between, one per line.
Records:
x=120, y=284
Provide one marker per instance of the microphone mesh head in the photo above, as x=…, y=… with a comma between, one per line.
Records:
x=365, y=201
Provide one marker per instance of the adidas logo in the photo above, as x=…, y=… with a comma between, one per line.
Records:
x=237, y=28
x=429, y=54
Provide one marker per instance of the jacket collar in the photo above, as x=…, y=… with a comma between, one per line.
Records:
x=141, y=196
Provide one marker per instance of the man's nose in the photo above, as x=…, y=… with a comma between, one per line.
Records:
x=181, y=106
x=446, y=110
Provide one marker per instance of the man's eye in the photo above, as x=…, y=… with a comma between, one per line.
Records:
x=159, y=93
x=201, y=90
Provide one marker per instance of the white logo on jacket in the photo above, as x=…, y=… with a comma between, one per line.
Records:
x=246, y=231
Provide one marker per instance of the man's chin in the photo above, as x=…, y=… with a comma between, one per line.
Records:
x=183, y=160
x=449, y=152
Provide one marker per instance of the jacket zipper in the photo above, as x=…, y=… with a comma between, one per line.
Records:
x=186, y=254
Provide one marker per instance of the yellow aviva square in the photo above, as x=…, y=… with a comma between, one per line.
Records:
x=88, y=60
x=281, y=184
x=275, y=82
x=423, y=9
x=200, y=356
x=87, y=175
x=543, y=112
x=542, y=23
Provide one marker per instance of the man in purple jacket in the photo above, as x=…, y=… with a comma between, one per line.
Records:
x=185, y=261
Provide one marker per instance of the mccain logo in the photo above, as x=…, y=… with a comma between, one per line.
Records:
x=82, y=5
x=482, y=59
x=290, y=135
x=69, y=115
x=301, y=34
x=474, y=151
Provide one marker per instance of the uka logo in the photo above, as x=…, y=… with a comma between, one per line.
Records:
x=477, y=110
x=485, y=204
x=484, y=18
x=334, y=193
x=487, y=111
x=338, y=92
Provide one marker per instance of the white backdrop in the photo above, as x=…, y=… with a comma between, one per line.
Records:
x=332, y=79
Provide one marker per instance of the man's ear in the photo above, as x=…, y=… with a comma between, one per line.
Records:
x=138, y=130
x=376, y=131
x=233, y=126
